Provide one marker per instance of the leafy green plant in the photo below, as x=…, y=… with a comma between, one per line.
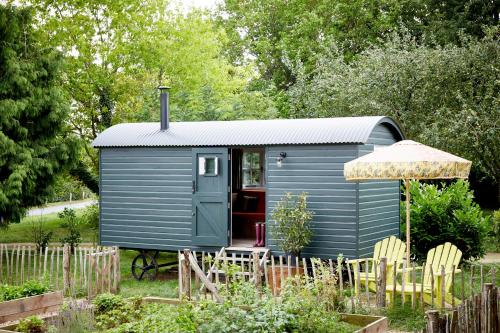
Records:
x=114, y=310
x=442, y=214
x=40, y=236
x=29, y=288
x=91, y=220
x=292, y=223
x=495, y=229
x=304, y=306
x=31, y=324
x=70, y=223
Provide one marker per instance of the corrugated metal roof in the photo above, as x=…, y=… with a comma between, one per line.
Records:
x=243, y=132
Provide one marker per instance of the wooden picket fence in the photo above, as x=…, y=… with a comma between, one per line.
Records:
x=477, y=314
x=201, y=274
x=273, y=271
x=83, y=271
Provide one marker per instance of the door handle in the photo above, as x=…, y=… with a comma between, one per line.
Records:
x=194, y=186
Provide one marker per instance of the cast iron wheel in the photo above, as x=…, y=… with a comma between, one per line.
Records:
x=144, y=265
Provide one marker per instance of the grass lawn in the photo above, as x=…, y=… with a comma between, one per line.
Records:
x=22, y=232
x=165, y=285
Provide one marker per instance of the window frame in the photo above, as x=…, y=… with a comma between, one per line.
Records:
x=202, y=163
x=261, y=168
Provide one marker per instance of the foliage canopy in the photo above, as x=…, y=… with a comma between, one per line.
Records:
x=446, y=97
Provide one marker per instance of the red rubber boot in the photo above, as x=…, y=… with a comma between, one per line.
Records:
x=262, y=234
x=257, y=235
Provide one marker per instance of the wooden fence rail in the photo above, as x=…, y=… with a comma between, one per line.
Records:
x=83, y=270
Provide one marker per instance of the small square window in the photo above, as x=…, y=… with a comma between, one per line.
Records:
x=208, y=166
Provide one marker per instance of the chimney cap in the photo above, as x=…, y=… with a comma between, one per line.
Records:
x=163, y=88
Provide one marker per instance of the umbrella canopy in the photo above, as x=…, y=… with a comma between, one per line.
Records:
x=407, y=160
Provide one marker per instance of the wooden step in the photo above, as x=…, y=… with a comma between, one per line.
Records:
x=247, y=249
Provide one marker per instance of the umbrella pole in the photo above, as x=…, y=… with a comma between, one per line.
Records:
x=407, y=185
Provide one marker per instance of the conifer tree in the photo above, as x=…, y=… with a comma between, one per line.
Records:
x=35, y=144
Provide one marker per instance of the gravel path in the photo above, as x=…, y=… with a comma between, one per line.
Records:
x=491, y=258
x=59, y=208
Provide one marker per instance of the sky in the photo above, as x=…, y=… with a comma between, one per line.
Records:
x=203, y=4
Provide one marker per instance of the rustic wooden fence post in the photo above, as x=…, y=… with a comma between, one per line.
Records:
x=381, y=283
x=493, y=309
x=256, y=271
x=341, y=282
x=186, y=278
x=90, y=259
x=489, y=309
x=22, y=265
x=116, y=272
x=454, y=321
x=432, y=321
x=66, y=268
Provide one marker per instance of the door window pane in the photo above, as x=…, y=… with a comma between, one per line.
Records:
x=208, y=166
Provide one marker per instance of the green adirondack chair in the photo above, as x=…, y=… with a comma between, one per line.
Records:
x=392, y=248
x=447, y=255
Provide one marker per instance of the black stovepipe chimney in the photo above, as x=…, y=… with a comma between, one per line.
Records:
x=164, y=108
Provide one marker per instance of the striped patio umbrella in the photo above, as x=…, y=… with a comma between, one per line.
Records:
x=407, y=160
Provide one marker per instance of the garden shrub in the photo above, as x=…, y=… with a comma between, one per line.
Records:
x=91, y=219
x=32, y=324
x=40, y=236
x=495, y=229
x=70, y=222
x=442, y=214
x=29, y=288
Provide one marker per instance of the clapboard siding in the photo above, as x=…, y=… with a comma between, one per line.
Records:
x=146, y=199
x=317, y=170
x=378, y=201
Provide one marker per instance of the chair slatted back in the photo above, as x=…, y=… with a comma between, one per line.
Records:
x=392, y=248
x=445, y=255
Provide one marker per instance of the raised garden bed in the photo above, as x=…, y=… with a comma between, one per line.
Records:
x=368, y=324
x=34, y=305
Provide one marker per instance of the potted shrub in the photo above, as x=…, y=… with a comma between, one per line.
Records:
x=292, y=223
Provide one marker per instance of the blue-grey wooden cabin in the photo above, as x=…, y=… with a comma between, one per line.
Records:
x=203, y=185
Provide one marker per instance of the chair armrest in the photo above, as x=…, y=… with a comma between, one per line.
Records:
x=409, y=269
x=361, y=260
x=446, y=272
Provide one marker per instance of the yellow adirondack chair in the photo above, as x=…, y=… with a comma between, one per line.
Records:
x=447, y=255
x=392, y=248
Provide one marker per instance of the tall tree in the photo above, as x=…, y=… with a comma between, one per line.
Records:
x=280, y=33
x=34, y=145
x=120, y=51
x=447, y=97
x=445, y=21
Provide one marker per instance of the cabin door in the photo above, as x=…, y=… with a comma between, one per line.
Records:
x=210, y=224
